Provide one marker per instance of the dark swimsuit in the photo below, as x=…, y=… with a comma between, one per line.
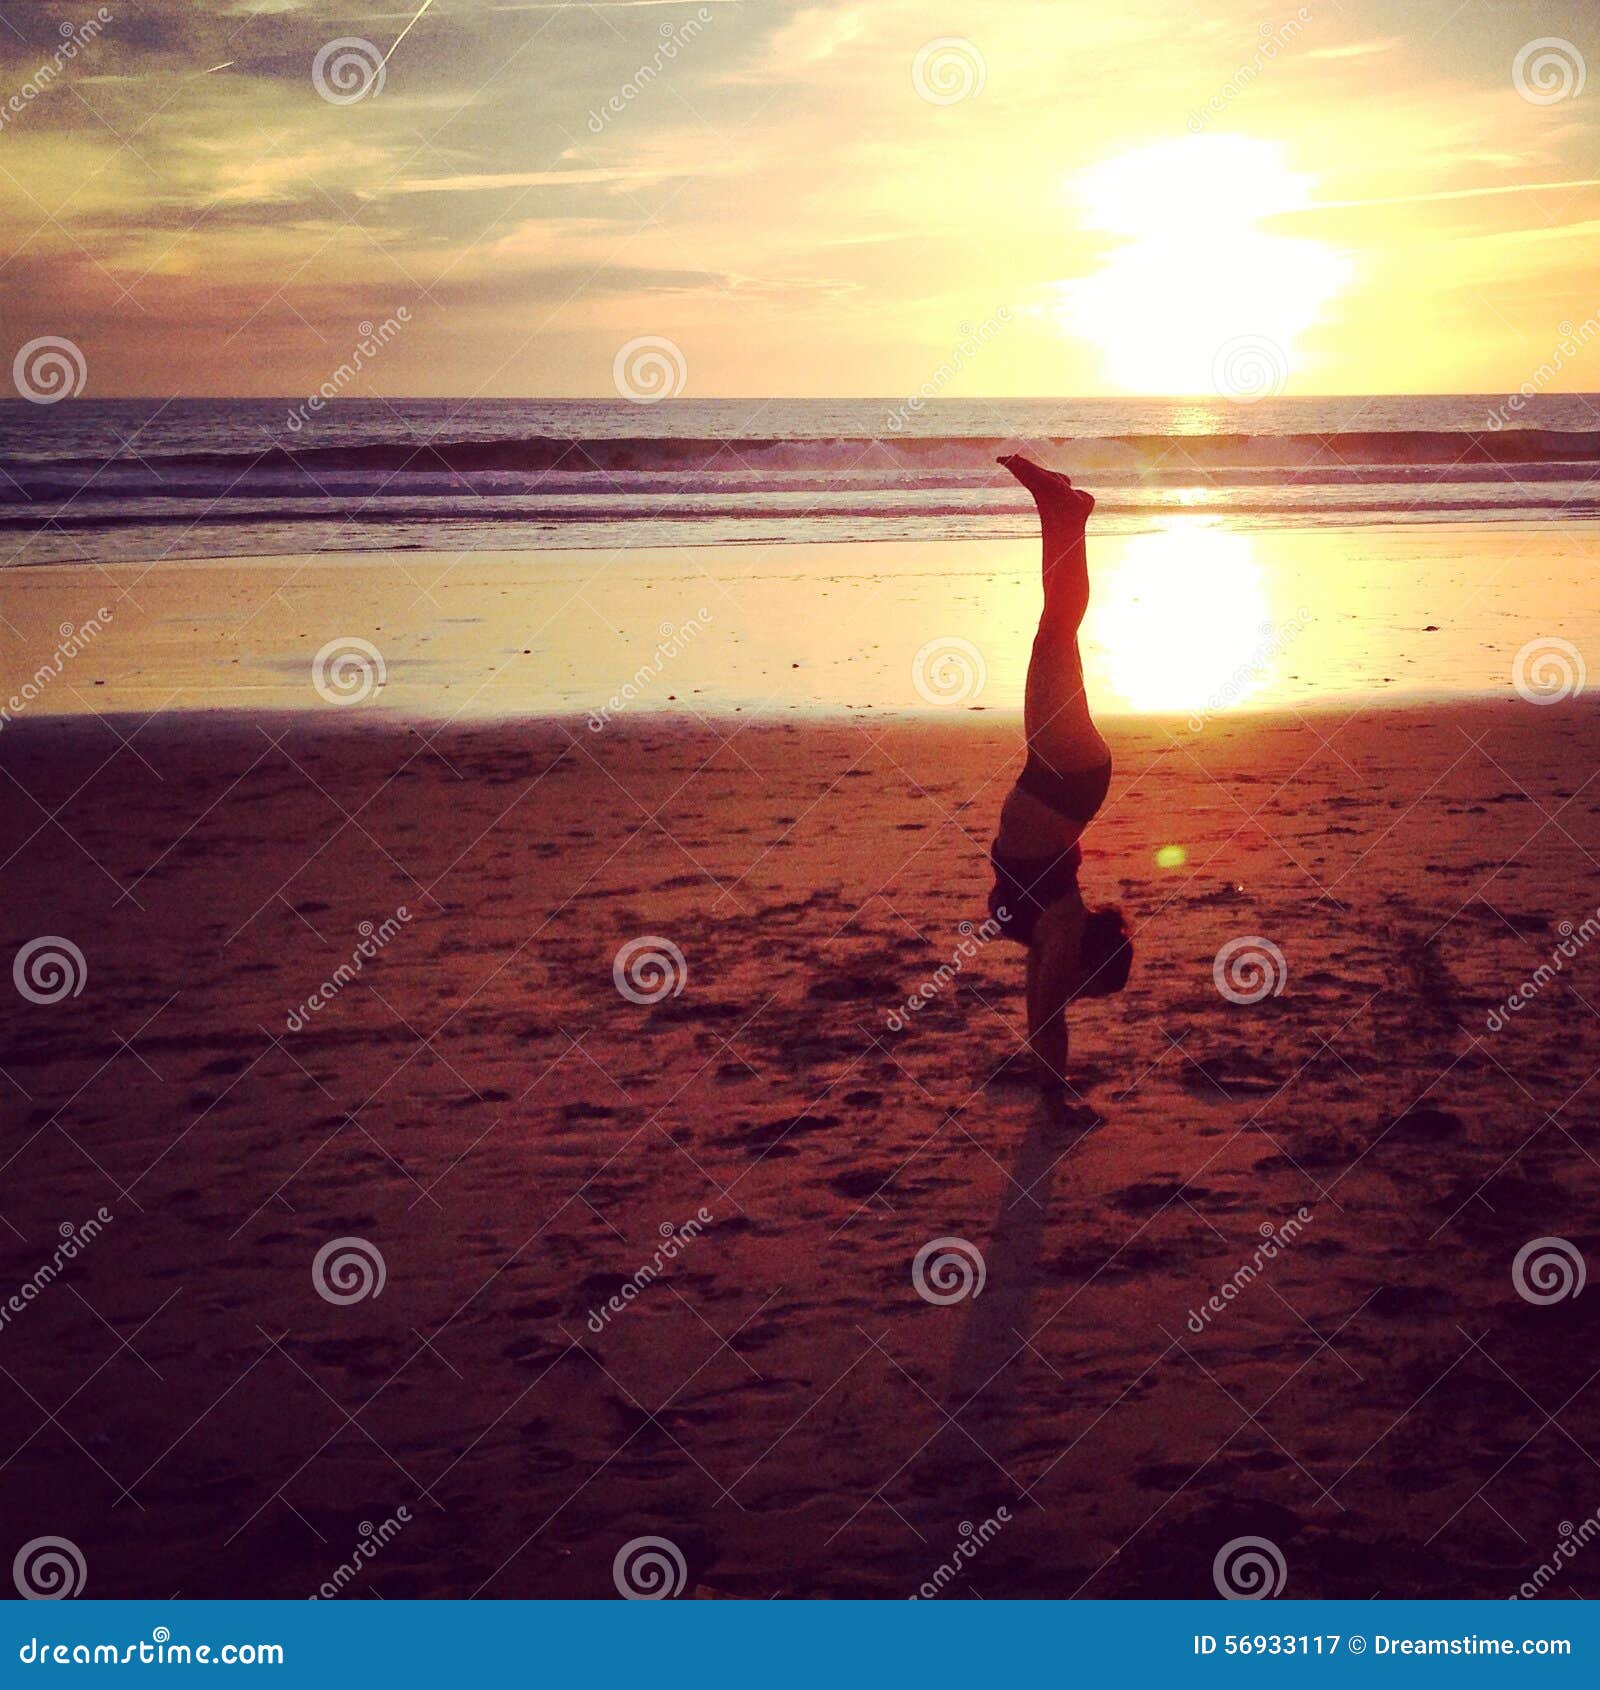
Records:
x=1077, y=795
x=1025, y=887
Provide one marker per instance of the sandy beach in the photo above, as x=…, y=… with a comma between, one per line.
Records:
x=569, y=576
x=647, y=1267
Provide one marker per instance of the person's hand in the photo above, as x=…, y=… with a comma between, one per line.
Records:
x=1067, y=1109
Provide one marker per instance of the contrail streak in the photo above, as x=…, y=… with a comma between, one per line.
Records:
x=407, y=30
x=1456, y=194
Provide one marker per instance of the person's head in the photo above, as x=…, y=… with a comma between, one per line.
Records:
x=1106, y=958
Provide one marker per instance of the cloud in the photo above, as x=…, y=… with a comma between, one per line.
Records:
x=1357, y=49
x=777, y=193
x=486, y=181
x=815, y=35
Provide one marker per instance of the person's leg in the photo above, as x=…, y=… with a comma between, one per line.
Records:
x=1064, y=512
x=1055, y=710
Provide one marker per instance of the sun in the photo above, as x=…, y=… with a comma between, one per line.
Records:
x=1196, y=297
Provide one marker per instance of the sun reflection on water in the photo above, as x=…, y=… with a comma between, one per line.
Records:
x=1181, y=622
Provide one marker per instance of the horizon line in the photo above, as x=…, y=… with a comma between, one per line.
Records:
x=791, y=398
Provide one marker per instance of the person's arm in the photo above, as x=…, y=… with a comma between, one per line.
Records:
x=1052, y=975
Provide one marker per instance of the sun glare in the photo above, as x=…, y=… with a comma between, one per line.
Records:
x=1196, y=297
x=1198, y=186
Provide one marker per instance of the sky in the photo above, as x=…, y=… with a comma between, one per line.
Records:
x=1001, y=197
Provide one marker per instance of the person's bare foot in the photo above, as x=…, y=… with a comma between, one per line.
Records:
x=1052, y=488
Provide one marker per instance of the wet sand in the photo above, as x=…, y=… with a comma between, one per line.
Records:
x=516, y=1138
x=1191, y=617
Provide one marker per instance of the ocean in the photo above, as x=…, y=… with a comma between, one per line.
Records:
x=111, y=480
